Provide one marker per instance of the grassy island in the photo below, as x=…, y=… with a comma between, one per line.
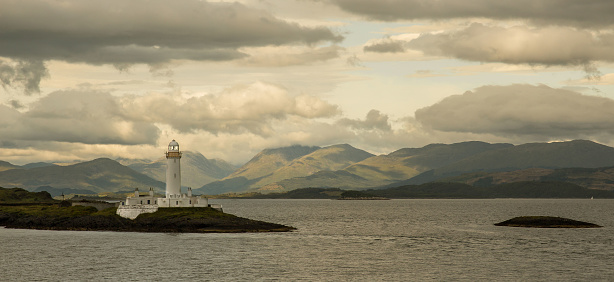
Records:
x=56, y=215
x=546, y=222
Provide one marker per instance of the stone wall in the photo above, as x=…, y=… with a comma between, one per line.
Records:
x=132, y=211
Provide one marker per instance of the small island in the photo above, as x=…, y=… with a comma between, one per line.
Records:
x=27, y=210
x=359, y=195
x=546, y=222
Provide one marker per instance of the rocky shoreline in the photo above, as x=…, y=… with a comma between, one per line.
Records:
x=167, y=220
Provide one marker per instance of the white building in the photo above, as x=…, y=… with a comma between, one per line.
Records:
x=148, y=203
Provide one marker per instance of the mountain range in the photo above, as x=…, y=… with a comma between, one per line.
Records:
x=417, y=165
x=584, y=163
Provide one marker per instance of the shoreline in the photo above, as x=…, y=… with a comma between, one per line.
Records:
x=167, y=220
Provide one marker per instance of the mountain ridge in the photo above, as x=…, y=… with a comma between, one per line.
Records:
x=98, y=175
x=273, y=165
x=575, y=153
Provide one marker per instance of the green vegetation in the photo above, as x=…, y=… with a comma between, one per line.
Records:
x=48, y=210
x=546, y=222
x=18, y=195
x=356, y=194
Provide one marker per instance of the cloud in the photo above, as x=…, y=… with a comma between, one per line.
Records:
x=23, y=73
x=75, y=117
x=154, y=32
x=375, y=120
x=521, y=110
x=142, y=31
x=243, y=108
x=568, y=12
x=272, y=56
x=606, y=79
x=519, y=45
x=387, y=45
x=96, y=118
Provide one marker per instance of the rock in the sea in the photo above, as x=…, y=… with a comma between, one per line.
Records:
x=546, y=222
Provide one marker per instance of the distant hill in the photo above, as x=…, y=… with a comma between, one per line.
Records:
x=578, y=153
x=196, y=170
x=528, y=189
x=19, y=195
x=591, y=178
x=274, y=165
x=447, y=190
x=385, y=169
x=99, y=175
x=6, y=166
x=270, y=160
x=62, y=191
x=38, y=164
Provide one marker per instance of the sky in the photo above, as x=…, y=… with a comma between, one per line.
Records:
x=83, y=79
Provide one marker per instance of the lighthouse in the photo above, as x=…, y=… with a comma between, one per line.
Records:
x=173, y=170
x=149, y=203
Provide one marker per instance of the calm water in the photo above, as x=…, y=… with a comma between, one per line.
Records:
x=396, y=240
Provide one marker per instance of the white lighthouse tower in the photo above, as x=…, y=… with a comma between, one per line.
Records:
x=148, y=203
x=173, y=170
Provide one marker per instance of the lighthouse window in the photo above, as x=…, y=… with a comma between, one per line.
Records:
x=177, y=203
x=175, y=175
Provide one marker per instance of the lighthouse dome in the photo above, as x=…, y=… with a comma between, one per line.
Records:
x=173, y=146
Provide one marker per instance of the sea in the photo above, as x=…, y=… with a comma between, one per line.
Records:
x=368, y=240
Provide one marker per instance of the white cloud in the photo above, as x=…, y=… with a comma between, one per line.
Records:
x=522, y=110
x=237, y=109
x=551, y=45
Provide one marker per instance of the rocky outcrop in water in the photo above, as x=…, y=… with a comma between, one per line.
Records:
x=546, y=222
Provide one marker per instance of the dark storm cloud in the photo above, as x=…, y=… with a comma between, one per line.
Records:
x=521, y=110
x=568, y=12
x=124, y=32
